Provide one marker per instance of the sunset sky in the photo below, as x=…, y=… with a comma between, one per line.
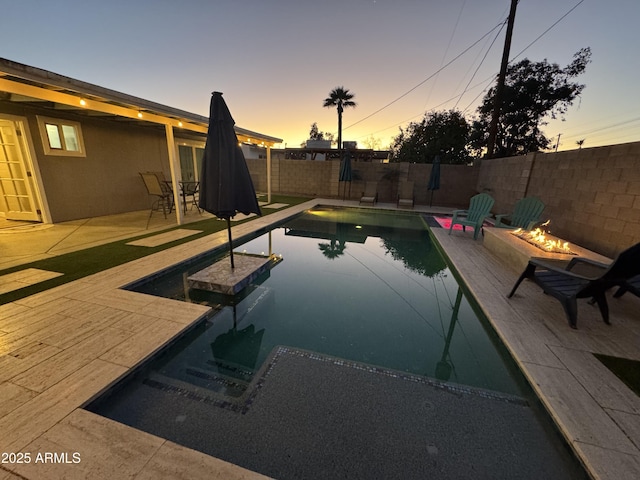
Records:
x=277, y=60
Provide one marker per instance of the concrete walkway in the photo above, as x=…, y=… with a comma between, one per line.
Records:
x=61, y=348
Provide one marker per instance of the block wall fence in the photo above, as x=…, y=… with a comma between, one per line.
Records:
x=592, y=195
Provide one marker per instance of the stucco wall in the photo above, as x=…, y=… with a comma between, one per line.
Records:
x=107, y=180
x=592, y=195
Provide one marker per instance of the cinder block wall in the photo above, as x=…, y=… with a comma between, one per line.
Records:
x=320, y=178
x=592, y=195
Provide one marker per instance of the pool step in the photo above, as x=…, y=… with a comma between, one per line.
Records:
x=198, y=383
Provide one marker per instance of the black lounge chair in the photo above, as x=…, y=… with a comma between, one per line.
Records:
x=633, y=286
x=568, y=286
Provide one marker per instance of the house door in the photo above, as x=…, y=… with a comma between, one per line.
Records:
x=17, y=199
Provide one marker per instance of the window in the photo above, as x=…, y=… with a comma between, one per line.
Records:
x=61, y=137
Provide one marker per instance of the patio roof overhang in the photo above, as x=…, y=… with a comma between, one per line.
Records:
x=26, y=84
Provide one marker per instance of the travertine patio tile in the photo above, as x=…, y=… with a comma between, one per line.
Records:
x=32, y=316
x=7, y=287
x=24, y=358
x=6, y=475
x=81, y=309
x=107, y=449
x=609, y=464
x=123, y=299
x=49, y=295
x=518, y=338
x=133, y=322
x=629, y=423
x=576, y=412
x=33, y=332
x=12, y=396
x=174, y=462
x=56, y=368
x=141, y=345
x=163, y=238
x=607, y=389
x=10, y=309
x=27, y=422
x=73, y=331
x=176, y=311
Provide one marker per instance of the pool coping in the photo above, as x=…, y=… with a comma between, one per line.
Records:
x=121, y=329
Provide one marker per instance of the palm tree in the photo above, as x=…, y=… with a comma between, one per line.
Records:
x=340, y=97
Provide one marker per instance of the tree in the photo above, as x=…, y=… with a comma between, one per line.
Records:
x=339, y=97
x=533, y=92
x=314, y=133
x=372, y=142
x=442, y=133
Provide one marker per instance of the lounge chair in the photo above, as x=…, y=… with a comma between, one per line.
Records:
x=632, y=285
x=479, y=209
x=568, y=286
x=405, y=195
x=525, y=214
x=370, y=194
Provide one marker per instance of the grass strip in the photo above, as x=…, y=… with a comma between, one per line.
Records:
x=82, y=263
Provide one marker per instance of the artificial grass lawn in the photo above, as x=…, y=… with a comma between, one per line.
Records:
x=82, y=263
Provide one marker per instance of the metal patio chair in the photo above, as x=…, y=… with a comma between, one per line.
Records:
x=163, y=196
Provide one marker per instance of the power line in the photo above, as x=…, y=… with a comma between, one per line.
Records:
x=547, y=30
x=425, y=80
x=488, y=79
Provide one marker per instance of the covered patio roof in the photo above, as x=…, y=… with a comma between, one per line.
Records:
x=26, y=84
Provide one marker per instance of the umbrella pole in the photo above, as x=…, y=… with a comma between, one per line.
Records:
x=431, y=200
x=230, y=244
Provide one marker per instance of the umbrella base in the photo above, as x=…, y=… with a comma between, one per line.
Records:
x=221, y=278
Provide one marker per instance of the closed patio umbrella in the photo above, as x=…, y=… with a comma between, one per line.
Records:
x=345, y=171
x=434, y=178
x=226, y=187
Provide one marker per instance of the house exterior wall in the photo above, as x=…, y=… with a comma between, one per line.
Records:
x=107, y=180
x=592, y=195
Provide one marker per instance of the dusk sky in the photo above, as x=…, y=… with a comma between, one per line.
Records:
x=277, y=60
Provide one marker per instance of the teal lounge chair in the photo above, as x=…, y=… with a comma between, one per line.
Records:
x=479, y=209
x=525, y=214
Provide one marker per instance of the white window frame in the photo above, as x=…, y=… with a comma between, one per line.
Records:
x=59, y=123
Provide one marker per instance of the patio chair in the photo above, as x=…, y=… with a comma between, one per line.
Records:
x=163, y=196
x=370, y=194
x=632, y=285
x=479, y=209
x=567, y=286
x=525, y=214
x=191, y=193
x=405, y=195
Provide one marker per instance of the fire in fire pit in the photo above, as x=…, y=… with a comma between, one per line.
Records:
x=540, y=239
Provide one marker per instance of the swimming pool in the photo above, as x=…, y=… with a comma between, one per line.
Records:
x=357, y=291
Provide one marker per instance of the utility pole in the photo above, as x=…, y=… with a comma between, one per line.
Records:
x=558, y=142
x=493, y=128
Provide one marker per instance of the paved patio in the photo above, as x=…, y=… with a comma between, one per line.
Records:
x=63, y=347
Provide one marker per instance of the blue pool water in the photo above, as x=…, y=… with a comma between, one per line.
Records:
x=367, y=287
x=359, y=355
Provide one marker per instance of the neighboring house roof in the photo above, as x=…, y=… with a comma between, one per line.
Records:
x=23, y=83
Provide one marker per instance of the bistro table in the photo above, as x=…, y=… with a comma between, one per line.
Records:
x=188, y=188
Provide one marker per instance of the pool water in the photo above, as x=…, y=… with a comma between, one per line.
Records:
x=366, y=287
x=359, y=355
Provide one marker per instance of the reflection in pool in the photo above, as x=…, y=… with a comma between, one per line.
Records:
x=365, y=287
